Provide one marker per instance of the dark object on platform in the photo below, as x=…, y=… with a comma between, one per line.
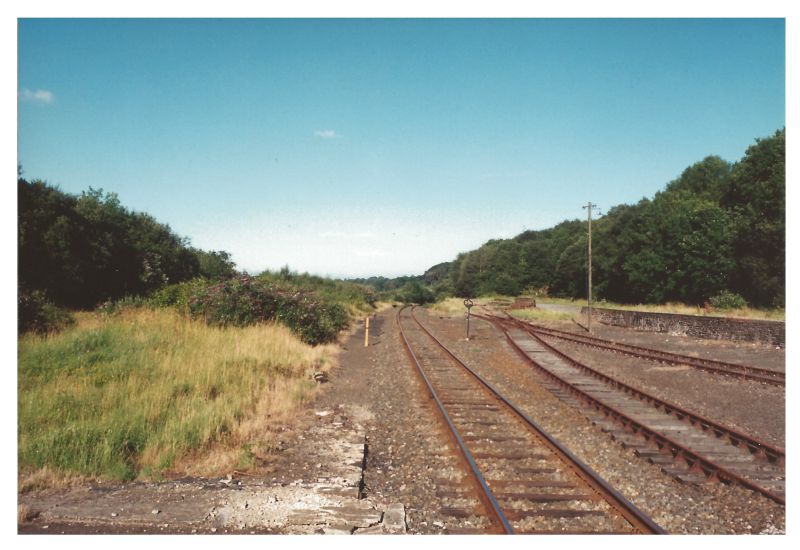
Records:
x=523, y=303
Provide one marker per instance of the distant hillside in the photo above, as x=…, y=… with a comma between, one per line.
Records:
x=717, y=227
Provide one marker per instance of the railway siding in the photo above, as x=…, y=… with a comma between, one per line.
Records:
x=686, y=448
x=537, y=484
x=755, y=374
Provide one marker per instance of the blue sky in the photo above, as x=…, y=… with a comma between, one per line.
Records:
x=366, y=147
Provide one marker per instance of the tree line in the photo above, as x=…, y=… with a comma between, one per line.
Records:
x=78, y=251
x=718, y=228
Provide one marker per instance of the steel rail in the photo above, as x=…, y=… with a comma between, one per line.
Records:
x=663, y=442
x=747, y=372
x=638, y=519
x=484, y=492
x=771, y=452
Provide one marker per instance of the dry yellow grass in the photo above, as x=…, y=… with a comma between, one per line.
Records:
x=47, y=477
x=24, y=513
x=149, y=391
x=777, y=314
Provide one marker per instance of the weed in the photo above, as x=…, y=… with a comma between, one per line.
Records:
x=727, y=300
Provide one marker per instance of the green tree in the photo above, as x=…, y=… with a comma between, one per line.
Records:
x=757, y=193
x=82, y=250
x=684, y=250
x=708, y=179
x=215, y=265
x=414, y=292
x=570, y=277
x=464, y=276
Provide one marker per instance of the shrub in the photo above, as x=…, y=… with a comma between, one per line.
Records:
x=177, y=295
x=246, y=301
x=356, y=297
x=728, y=300
x=37, y=314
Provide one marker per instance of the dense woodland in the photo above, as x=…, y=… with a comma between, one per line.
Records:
x=718, y=228
x=83, y=250
x=79, y=251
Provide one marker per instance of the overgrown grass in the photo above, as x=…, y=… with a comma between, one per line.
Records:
x=453, y=306
x=777, y=314
x=148, y=391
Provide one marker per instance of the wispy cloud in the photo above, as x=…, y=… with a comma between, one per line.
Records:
x=37, y=96
x=327, y=134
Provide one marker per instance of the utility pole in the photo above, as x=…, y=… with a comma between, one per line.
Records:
x=589, y=207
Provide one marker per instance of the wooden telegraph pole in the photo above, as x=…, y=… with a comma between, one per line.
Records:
x=589, y=207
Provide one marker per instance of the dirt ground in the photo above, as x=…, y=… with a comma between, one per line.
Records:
x=368, y=455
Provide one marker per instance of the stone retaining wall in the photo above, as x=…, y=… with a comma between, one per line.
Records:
x=714, y=328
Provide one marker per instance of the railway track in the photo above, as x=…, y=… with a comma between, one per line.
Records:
x=686, y=445
x=520, y=480
x=745, y=372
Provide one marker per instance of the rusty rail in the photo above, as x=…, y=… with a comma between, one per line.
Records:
x=485, y=494
x=663, y=442
x=747, y=372
x=637, y=519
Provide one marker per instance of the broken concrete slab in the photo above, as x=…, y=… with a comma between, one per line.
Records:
x=338, y=529
x=358, y=513
x=394, y=518
x=374, y=530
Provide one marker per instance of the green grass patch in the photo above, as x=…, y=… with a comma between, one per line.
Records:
x=116, y=396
